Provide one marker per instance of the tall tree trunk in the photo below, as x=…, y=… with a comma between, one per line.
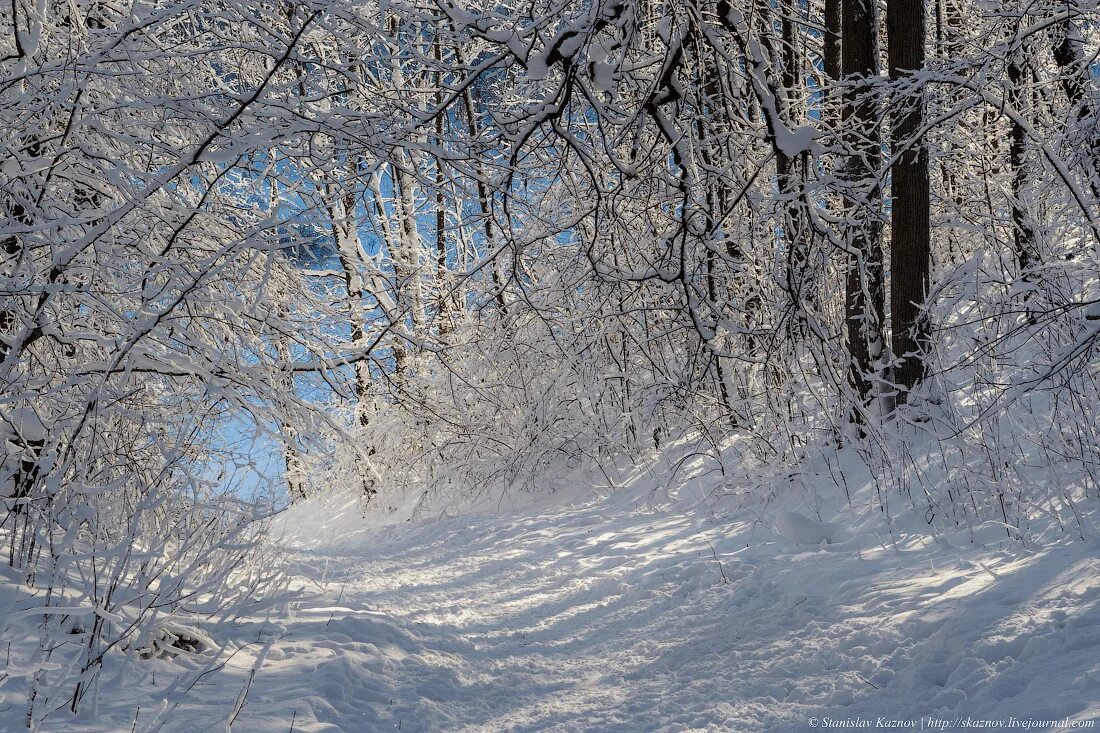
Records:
x=293, y=466
x=406, y=252
x=345, y=233
x=483, y=200
x=864, y=291
x=789, y=168
x=831, y=40
x=443, y=303
x=405, y=244
x=712, y=127
x=1023, y=231
x=910, y=252
x=949, y=48
x=1074, y=76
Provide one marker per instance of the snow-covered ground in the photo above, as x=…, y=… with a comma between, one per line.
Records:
x=631, y=611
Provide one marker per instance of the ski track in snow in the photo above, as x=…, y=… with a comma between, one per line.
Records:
x=602, y=617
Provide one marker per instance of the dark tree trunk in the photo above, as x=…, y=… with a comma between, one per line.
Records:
x=789, y=169
x=1074, y=77
x=832, y=39
x=711, y=124
x=1074, y=69
x=910, y=253
x=864, y=296
x=949, y=48
x=443, y=303
x=1023, y=232
x=470, y=107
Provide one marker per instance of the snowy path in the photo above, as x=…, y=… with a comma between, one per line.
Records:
x=613, y=618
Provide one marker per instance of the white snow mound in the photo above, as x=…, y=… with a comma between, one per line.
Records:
x=802, y=530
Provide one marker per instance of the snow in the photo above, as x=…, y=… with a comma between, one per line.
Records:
x=802, y=530
x=615, y=615
x=23, y=422
x=635, y=610
x=795, y=142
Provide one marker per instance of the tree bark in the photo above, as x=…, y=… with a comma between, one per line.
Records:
x=1023, y=232
x=831, y=40
x=1069, y=54
x=343, y=208
x=910, y=252
x=864, y=296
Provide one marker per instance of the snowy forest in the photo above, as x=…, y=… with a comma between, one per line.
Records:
x=331, y=325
